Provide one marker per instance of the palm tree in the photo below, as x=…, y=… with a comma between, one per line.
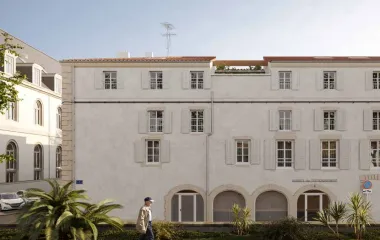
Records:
x=336, y=211
x=62, y=214
x=359, y=214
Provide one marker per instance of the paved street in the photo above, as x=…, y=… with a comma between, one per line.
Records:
x=8, y=217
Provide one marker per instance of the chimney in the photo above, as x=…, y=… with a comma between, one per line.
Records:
x=125, y=54
x=149, y=54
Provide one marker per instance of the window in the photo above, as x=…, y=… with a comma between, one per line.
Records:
x=12, y=111
x=58, y=162
x=38, y=113
x=155, y=80
x=196, y=80
x=38, y=162
x=11, y=166
x=155, y=121
x=9, y=64
x=58, y=85
x=285, y=117
x=376, y=80
x=285, y=80
x=110, y=80
x=329, y=154
x=37, y=76
x=59, y=118
x=197, y=120
x=284, y=154
x=329, y=80
x=376, y=120
x=329, y=120
x=153, y=151
x=242, y=151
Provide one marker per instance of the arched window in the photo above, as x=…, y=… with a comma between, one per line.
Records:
x=38, y=113
x=12, y=111
x=58, y=162
x=11, y=166
x=59, y=118
x=38, y=162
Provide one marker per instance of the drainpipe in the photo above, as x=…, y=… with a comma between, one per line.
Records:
x=49, y=135
x=208, y=150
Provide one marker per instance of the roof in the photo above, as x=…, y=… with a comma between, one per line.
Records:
x=142, y=59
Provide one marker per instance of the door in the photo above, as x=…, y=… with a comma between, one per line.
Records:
x=313, y=206
x=187, y=208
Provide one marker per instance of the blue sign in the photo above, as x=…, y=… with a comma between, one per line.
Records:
x=79, y=182
x=367, y=185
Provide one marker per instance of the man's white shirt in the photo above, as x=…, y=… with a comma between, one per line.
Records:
x=150, y=215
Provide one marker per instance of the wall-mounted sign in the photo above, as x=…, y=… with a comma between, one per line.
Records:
x=367, y=191
x=78, y=181
x=315, y=180
x=367, y=185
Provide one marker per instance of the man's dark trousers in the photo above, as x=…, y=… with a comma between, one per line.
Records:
x=149, y=233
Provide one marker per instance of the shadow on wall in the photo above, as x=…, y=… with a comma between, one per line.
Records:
x=37, y=158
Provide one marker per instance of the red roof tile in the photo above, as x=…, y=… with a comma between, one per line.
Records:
x=142, y=59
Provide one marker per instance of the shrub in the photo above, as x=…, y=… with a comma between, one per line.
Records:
x=165, y=230
x=286, y=229
x=242, y=219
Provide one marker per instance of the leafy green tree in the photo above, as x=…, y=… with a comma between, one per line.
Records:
x=63, y=214
x=8, y=90
x=359, y=214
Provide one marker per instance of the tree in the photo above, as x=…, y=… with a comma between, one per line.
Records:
x=336, y=211
x=64, y=214
x=8, y=90
x=359, y=214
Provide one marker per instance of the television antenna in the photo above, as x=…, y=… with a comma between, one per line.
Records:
x=168, y=34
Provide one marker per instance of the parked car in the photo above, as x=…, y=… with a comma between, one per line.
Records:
x=21, y=194
x=10, y=201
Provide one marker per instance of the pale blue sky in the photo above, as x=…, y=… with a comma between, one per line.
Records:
x=228, y=29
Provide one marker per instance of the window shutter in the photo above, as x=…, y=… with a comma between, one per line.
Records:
x=315, y=154
x=230, y=152
x=185, y=120
x=186, y=80
x=344, y=154
x=120, y=83
x=319, y=80
x=168, y=115
x=255, y=151
x=166, y=77
x=295, y=80
x=145, y=79
x=273, y=120
x=98, y=79
x=275, y=84
x=206, y=80
x=339, y=80
x=207, y=120
x=367, y=120
x=270, y=155
x=143, y=122
x=296, y=120
x=300, y=154
x=165, y=151
x=318, y=119
x=341, y=117
x=368, y=81
x=139, y=151
x=364, y=155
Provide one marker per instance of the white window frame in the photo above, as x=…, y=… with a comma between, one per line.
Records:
x=156, y=123
x=196, y=79
x=376, y=120
x=197, y=122
x=9, y=64
x=180, y=205
x=285, y=120
x=38, y=113
x=329, y=80
x=329, y=122
x=306, y=195
x=376, y=80
x=329, y=159
x=12, y=111
x=285, y=80
x=245, y=144
x=284, y=161
x=110, y=80
x=59, y=118
x=38, y=162
x=11, y=166
x=58, y=162
x=37, y=75
x=58, y=85
x=153, y=155
x=156, y=80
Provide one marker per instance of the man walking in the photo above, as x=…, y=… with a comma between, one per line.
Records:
x=144, y=221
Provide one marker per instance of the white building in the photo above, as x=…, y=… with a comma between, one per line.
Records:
x=30, y=129
x=283, y=141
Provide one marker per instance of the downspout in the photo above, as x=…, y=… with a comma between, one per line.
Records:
x=208, y=152
x=73, y=126
x=49, y=135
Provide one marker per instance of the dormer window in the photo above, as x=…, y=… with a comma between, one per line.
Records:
x=37, y=76
x=9, y=64
x=58, y=85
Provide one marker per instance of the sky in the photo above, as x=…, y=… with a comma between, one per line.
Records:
x=227, y=29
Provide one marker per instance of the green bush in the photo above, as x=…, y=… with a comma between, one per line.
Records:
x=286, y=229
x=165, y=230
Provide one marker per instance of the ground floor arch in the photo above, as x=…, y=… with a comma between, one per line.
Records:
x=309, y=203
x=271, y=206
x=187, y=206
x=222, y=205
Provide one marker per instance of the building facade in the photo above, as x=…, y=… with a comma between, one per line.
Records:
x=284, y=140
x=30, y=129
